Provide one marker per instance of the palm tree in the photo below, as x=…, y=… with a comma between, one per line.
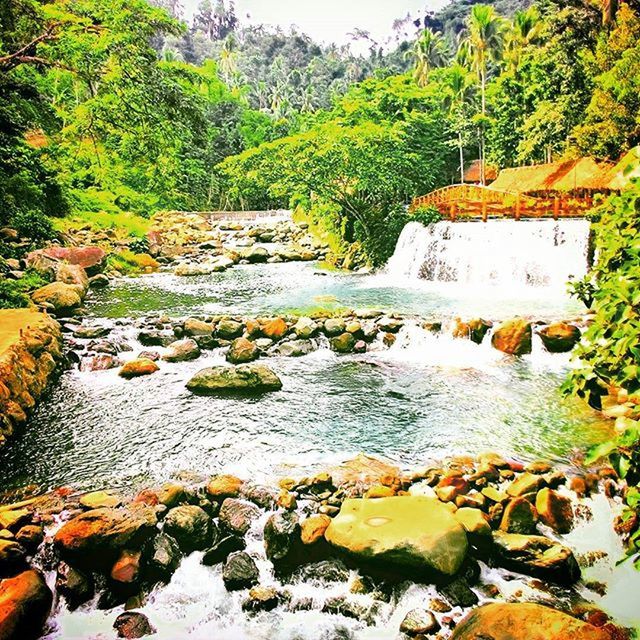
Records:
x=458, y=92
x=523, y=31
x=483, y=43
x=428, y=51
x=229, y=61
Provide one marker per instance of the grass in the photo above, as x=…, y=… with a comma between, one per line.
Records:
x=129, y=263
x=14, y=294
x=127, y=224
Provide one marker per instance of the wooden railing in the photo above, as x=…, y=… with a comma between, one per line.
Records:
x=461, y=201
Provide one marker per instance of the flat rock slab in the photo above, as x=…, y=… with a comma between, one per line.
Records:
x=413, y=533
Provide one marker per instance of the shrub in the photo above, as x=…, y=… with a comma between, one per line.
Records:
x=33, y=225
x=14, y=293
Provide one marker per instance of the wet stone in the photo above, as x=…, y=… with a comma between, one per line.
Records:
x=419, y=622
x=240, y=571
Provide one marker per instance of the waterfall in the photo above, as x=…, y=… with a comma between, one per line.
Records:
x=534, y=253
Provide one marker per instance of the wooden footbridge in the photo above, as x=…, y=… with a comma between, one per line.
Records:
x=466, y=201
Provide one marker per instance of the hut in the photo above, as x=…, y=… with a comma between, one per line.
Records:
x=581, y=177
x=473, y=173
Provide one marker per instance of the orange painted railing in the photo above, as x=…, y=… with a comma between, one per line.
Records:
x=460, y=201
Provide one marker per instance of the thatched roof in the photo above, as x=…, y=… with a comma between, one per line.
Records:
x=583, y=174
x=472, y=173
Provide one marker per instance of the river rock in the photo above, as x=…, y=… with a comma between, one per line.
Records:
x=73, y=274
x=61, y=297
x=155, y=338
x=255, y=255
x=243, y=378
x=224, y=486
x=390, y=325
x=132, y=624
x=240, y=571
x=419, y=622
x=222, y=548
x=190, y=526
x=474, y=521
x=242, y=350
x=126, y=569
x=30, y=537
x=25, y=603
x=560, y=337
x=102, y=362
x=261, y=599
x=99, y=500
x=524, y=484
x=14, y=517
x=305, y=328
x=182, y=351
x=96, y=537
x=236, y=515
x=99, y=281
x=555, y=510
x=275, y=329
x=334, y=327
x=74, y=585
x=344, y=343
x=537, y=556
x=229, y=329
x=281, y=532
x=519, y=516
x=293, y=348
x=161, y=556
x=513, y=337
x=312, y=529
x=363, y=471
x=524, y=621
x=193, y=327
x=332, y=570
x=137, y=368
x=412, y=532
x=12, y=557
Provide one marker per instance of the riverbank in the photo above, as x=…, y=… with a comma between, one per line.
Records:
x=30, y=352
x=471, y=536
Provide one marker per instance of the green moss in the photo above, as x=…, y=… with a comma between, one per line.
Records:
x=126, y=224
x=129, y=263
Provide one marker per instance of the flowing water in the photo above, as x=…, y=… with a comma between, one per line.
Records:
x=429, y=396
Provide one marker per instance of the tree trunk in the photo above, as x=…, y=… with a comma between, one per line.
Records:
x=461, y=157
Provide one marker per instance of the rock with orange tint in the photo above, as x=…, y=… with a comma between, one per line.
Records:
x=127, y=567
x=513, y=337
x=96, y=538
x=275, y=329
x=312, y=529
x=25, y=602
x=224, y=486
x=364, y=471
x=523, y=621
x=560, y=337
x=138, y=367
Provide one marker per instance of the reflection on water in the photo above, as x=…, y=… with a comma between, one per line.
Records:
x=294, y=285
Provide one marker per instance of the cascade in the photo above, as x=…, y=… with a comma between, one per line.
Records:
x=534, y=253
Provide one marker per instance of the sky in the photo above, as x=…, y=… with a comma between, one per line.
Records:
x=328, y=20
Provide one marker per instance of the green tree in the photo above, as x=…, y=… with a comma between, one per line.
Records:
x=429, y=51
x=482, y=45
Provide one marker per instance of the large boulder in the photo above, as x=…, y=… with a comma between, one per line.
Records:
x=162, y=556
x=560, y=337
x=25, y=602
x=12, y=557
x=513, y=337
x=190, y=526
x=293, y=348
x=61, y=297
x=305, y=328
x=242, y=351
x=182, y=351
x=72, y=274
x=524, y=621
x=74, y=585
x=92, y=259
x=414, y=533
x=344, y=343
x=95, y=538
x=536, y=556
x=224, y=486
x=242, y=378
x=275, y=329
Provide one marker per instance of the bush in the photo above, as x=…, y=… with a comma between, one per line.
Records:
x=426, y=215
x=14, y=293
x=129, y=263
x=33, y=225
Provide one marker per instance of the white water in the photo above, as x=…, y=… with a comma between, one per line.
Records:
x=501, y=253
